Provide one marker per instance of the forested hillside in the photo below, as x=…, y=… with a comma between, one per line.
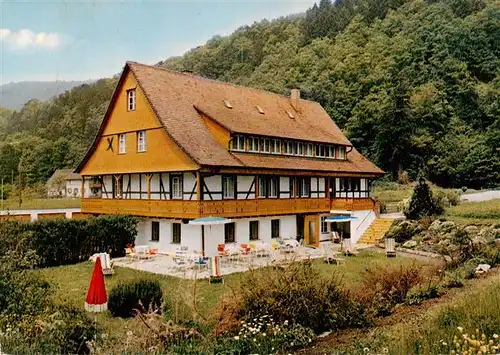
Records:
x=415, y=85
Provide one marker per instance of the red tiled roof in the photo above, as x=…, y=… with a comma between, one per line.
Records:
x=356, y=163
x=177, y=99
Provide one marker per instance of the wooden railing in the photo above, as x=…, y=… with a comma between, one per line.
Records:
x=222, y=208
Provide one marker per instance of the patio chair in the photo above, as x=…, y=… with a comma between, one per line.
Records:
x=330, y=256
x=348, y=248
x=245, y=253
x=215, y=275
x=106, y=264
x=130, y=253
x=390, y=251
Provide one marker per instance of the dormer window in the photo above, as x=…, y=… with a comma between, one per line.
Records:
x=341, y=152
x=309, y=150
x=253, y=144
x=275, y=146
x=320, y=150
x=238, y=143
x=131, y=98
x=299, y=148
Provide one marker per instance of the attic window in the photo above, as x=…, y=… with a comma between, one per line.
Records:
x=228, y=104
x=261, y=111
x=290, y=114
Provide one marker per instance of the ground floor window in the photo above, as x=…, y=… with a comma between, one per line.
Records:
x=176, y=233
x=254, y=230
x=229, y=233
x=324, y=225
x=155, y=231
x=275, y=228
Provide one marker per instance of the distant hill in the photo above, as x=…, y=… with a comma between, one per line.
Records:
x=15, y=95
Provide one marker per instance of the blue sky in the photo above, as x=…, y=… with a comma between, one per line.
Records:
x=80, y=40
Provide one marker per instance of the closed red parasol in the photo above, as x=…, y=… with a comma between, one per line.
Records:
x=97, y=300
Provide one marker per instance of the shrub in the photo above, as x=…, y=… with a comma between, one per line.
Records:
x=453, y=278
x=297, y=294
x=422, y=292
x=383, y=288
x=67, y=241
x=137, y=296
x=264, y=336
x=422, y=202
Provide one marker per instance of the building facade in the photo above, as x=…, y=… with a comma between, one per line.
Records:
x=174, y=147
x=65, y=183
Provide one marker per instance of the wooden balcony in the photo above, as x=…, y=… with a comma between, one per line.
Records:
x=222, y=208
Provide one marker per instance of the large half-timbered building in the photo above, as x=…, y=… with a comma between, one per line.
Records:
x=174, y=147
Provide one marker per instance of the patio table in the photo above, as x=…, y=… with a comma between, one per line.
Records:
x=142, y=248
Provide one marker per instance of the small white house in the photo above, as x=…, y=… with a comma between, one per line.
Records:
x=65, y=183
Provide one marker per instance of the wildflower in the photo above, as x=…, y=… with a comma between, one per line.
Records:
x=365, y=350
x=460, y=329
x=444, y=343
x=129, y=333
x=495, y=336
x=236, y=338
x=385, y=350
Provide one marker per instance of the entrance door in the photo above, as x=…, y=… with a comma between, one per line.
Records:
x=311, y=230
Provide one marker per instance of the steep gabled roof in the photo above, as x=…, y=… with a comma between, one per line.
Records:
x=179, y=99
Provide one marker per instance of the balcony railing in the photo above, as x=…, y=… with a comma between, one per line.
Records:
x=222, y=208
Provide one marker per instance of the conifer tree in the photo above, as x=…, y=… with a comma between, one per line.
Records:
x=422, y=203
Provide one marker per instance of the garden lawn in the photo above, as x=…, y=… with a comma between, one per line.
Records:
x=485, y=212
x=71, y=282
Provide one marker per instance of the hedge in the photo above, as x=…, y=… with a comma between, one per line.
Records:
x=68, y=241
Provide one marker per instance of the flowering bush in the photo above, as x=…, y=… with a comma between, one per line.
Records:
x=263, y=335
x=477, y=343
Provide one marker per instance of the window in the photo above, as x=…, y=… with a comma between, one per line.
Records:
x=254, y=230
x=276, y=146
x=288, y=147
x=341, y=152
x=328, y=152
x=70, y=190
x=176, y=187
x=305, y=187
x=253, y=144
x=273, y=186
x=309, y=150
x=350, y=184
x=262, y=186
x=269, y=186
x=228, y=186
x=176, y=233
x=238, y=143
x=122, y=144
x=320, y=150
x=141, y=141
x=155, y=231
x=131, y=100
x=324, y=225
x=229, y=235
x=300, y=187
x=275, y=228
x=299, y=148
x=267, y=146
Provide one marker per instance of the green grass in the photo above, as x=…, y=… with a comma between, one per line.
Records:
x=475, y=212
x=432, y=331
x=71, y=282
x=41, y=203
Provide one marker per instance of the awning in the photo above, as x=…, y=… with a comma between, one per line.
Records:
x=340, y=219
x=209, y=221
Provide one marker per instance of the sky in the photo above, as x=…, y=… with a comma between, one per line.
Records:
x=84, y=40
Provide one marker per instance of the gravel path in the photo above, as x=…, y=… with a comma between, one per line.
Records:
x=481, y=196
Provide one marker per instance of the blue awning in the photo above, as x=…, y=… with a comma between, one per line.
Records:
x=340, y=219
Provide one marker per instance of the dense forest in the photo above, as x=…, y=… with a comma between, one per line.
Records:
x=415, y=85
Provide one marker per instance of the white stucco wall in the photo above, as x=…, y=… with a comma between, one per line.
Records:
x=284, y=187
x=214, y=235
x=244, y=182
x=214, y=186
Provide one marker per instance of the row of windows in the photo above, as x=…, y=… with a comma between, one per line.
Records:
x=229, y=231
x=286, y=147
x=140, y=141
x=268, y=186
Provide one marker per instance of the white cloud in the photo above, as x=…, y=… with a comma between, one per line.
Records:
x=26, y=38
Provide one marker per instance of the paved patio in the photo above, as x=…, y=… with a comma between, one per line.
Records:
x=164, y=264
